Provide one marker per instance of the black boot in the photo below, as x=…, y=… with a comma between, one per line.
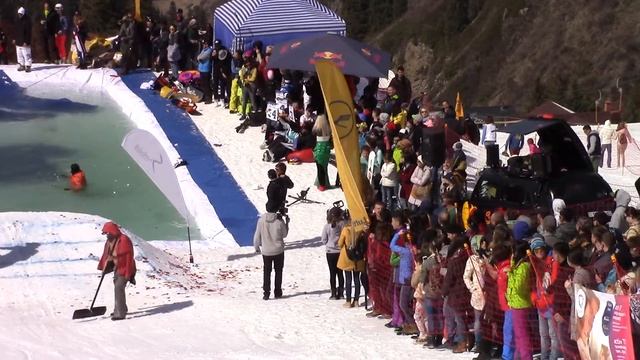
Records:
x=333, y=294
x=277, y=294
x=340, y=293
x=266, y=296
x=28, y=69
x=437, y=341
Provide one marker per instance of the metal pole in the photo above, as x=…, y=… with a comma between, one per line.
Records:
x=598, y=103
x=620, y=92
x=189, y=237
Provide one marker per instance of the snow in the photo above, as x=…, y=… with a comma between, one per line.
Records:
x=210, y=310
x=213, y=309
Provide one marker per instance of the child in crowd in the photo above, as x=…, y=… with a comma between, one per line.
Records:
x=433, y=294
x=542, y=267
x=474, y=280
x=401, y=244
x=519, y=299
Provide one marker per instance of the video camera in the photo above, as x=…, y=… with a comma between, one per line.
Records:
x=283, y=214
x=339, y=206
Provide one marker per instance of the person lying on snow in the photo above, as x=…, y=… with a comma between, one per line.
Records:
x=118, y=257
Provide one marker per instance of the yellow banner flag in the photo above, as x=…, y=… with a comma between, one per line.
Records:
x=137, y=12
x=339, y=105
x=459, y=108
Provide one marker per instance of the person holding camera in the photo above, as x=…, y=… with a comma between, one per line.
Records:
x=272, y=228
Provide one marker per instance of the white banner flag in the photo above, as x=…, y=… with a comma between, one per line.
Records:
x=147, y=152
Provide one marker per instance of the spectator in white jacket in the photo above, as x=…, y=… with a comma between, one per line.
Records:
x=270, y=233
x=330, y=236
x=421, y=180
x=488, y=132
x=389, y=181
x=374, y=163
x=607, y=136
x=474, y=280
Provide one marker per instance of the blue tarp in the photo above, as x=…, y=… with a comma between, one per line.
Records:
x=238, y=23
x=233, y=207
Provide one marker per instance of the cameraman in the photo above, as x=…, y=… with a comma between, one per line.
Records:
x=270, y=233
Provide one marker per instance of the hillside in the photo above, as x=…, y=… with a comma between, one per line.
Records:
x=516, y=52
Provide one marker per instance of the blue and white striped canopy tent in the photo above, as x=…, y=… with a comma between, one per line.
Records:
x=240, y=22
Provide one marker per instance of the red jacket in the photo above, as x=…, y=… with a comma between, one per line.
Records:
x=561, y=299
x=405, y=181
x=125, y=263
x=503, y=279
x=453, y=287
x=540, y=297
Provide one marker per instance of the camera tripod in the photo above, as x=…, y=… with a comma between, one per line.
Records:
x=302, y=198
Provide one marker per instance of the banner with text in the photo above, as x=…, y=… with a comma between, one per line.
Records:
x=339, y=104
x=602, y=325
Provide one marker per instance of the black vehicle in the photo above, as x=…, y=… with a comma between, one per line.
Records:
x=563, y=170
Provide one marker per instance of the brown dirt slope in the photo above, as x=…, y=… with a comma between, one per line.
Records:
x=517, y=52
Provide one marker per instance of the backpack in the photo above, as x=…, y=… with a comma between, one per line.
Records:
x=358, y=248
x=435, y=278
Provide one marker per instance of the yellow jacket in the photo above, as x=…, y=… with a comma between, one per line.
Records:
x=344, y=263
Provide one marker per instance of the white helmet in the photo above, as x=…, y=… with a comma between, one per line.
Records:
x=58, y=6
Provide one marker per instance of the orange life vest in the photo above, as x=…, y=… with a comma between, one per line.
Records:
x=78, y=181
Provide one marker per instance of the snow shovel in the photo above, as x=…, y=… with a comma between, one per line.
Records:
x=92, y=311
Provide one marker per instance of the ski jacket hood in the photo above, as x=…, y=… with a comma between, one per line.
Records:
x=110, y=228
x=622, y=198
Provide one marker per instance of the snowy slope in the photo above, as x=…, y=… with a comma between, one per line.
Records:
x=212, y=310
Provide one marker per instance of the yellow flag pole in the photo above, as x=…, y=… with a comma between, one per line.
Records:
x=138, y=14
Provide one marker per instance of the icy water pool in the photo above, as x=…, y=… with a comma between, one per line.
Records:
x=41, y=135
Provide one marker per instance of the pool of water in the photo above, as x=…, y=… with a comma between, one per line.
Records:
x=41, y=135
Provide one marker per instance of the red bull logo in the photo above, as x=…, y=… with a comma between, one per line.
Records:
x=327, y=55
x=336, y=58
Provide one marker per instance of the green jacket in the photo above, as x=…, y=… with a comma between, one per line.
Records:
x=519, y=286
x=398, y=157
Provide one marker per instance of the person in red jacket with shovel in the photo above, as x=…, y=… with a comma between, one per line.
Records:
x=118, y=257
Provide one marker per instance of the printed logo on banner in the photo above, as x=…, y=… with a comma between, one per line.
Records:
x=581, y=302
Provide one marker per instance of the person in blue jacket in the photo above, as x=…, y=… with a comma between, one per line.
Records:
x=204, y=67
x=514, y=144
x=401, y=245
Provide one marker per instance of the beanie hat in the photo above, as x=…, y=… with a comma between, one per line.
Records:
x=520, y=230
x=384, y=118
x=21, y=11
x=537, y=242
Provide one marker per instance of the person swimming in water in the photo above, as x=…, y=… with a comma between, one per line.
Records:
x=77, y=180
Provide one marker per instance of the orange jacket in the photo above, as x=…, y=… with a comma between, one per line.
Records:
x=78, y=181
x=125, y=263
